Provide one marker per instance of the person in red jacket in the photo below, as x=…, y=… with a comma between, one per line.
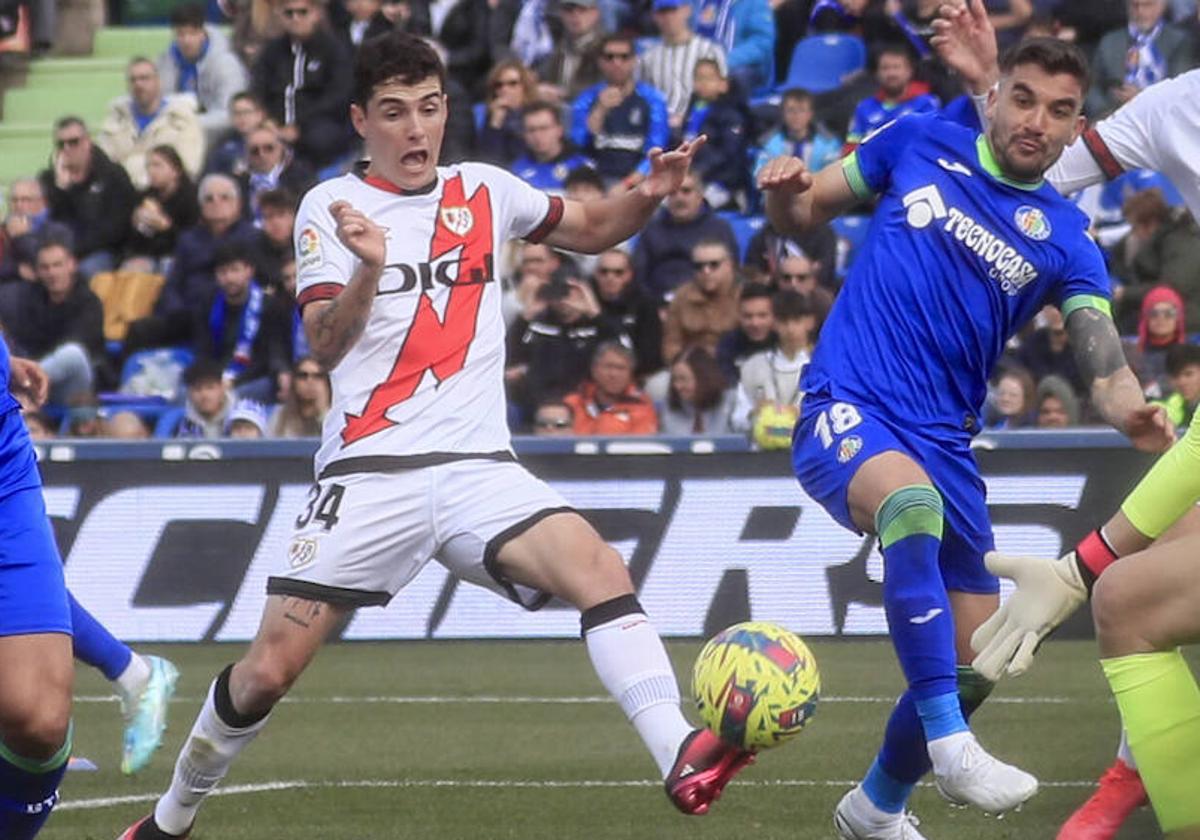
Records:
x=610, y=403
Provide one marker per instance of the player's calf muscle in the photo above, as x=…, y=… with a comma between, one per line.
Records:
x=292, y=631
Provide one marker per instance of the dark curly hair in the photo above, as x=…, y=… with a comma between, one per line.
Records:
x=396, y=55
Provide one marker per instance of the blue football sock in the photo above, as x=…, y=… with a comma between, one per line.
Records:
x=903, y=759
x=29, y=791
x=95, y=645
x=909, y=524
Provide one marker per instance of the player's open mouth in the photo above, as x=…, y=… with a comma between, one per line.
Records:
x=415, y=159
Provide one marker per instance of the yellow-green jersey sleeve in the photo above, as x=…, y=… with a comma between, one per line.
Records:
x=1171, y=487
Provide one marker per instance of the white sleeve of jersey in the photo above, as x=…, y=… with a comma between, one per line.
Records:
x=524, y=210
x=1075, y=169
x=1132, y=137
x=1131, y=134
x=321, y=258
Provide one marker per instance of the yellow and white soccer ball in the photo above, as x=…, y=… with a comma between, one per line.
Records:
x=756, y=685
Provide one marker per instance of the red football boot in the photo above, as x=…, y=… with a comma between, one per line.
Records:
x=704, y=766
x=1120, y=794
x=147, y=829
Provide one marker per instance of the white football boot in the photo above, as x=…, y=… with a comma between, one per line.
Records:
x=857, y=818
x=974, y=777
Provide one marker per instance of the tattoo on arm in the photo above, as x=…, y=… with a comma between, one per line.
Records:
x=331, y=340
x=1097, y=346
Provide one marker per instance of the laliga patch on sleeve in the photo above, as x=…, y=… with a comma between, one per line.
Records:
x=309, y=248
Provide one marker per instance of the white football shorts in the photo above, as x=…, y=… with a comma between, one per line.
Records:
x=363, y=536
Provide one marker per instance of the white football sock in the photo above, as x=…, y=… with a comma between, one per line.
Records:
x=133, y=679
x=944, y=752
x=1124, y=753
x=631, y=661
x=204, y=760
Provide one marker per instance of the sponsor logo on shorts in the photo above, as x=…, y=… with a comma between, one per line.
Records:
x=848, y=448
x=309, y=248
x=302, y=552
x=1032, y=222
x=458, y=220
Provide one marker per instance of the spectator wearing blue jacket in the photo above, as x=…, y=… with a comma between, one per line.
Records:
x=899, y=94
x=662, y=258
x=721, y=115
x=618, y=121
x=550, y=159
x=746, y=29
x=192, y=279
x=799, y=136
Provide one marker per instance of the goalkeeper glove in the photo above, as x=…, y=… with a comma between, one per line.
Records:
x=1048, y=591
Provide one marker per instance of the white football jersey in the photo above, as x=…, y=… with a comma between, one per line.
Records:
x=1158, y=129
x=425, y=381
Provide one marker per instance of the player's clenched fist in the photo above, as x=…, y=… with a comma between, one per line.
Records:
x=367, y=240
x=785, y=174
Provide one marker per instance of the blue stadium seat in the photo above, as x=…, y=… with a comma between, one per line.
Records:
x=479, y=114
x=168, y=422
x=744, y=229
x=163, y=379
x=820, y=62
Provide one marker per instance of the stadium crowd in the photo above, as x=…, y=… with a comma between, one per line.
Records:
x=151, y=271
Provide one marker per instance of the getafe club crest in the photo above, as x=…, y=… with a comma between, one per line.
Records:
x=458, y=220
x=301, y=552
x=848, y=448
x=1032, y=222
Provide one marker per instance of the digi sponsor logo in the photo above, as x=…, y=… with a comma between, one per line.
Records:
x=1032, y=222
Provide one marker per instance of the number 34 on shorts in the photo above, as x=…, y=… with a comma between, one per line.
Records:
x=322, y=508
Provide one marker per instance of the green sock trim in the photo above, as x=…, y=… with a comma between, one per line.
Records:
x=36, y=767
x=973, y=688
x=911, y=510
x=1160, y=708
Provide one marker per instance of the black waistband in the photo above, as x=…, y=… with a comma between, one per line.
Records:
x=397, y=463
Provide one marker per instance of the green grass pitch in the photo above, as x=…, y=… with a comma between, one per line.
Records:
x=481, y=740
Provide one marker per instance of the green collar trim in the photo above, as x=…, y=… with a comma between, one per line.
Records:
x=988, y=161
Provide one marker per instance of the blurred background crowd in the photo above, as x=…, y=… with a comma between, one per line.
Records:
x=149, y=266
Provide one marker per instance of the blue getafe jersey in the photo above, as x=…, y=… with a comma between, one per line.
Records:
x=873, y=112
x=18, y=465
x=550, y=176
x=957, y=258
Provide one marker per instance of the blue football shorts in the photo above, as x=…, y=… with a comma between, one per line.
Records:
x=33, y=593
x=833, y=438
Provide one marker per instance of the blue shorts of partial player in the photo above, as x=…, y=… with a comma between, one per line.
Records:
x=33, y=593
x=833, y=438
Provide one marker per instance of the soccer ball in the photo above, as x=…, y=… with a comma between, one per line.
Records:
x=756, y=685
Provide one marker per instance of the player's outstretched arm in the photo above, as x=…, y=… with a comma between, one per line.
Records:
x=797, y=199
x=1115, y=390
x=333, y=326
x=593, y=226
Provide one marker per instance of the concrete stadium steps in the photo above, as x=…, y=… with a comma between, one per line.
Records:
x=125, y=42
x=55, y=87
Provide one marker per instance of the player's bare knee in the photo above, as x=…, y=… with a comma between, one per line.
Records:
x=260, y=681
x=1118, y=627
x=39, y=729
x=603, y=573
